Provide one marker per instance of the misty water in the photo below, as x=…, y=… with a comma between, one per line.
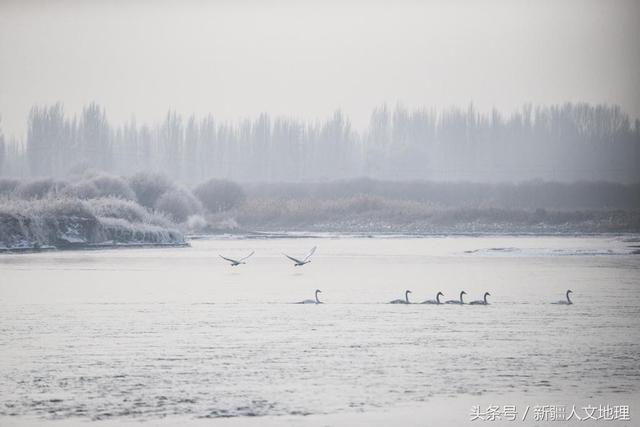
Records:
x=142, y=334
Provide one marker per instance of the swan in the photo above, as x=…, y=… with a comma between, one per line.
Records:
x=235, y=262
x=434, y=301
x=455, y=301
x=312, y=301
x=402, y=301
x=305, y=260
x=483, y=301
x=568, y=301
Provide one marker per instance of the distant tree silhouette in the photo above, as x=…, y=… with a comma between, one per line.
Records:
x=568, y=142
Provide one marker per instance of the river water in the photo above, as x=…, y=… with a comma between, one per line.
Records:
x=177, y=334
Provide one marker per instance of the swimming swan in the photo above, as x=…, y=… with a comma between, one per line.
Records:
x=235, y=262
x=434, y=301
x=305, y=260
x=402, y=301
x=567, y=302
x=483, y=301
x=455, y=301
x=312, y=301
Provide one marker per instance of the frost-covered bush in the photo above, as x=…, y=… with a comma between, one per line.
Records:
x=93, y=185
x=65, y=221
x=8, y=185
x=121, y=231
x=48, y=207
x=218, y=195
x=112, y=186
x=39, y=188
x=196, y=223
x=37, y=222
x=179, y=204
x=148, y=187
x=82, y=190
x=127, y=210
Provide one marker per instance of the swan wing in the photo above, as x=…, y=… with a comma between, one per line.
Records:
x=233, y=261
x=297, y=261
x=311, y=252
x=247, y=257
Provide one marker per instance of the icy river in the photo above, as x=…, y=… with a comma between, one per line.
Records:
x=166, y=336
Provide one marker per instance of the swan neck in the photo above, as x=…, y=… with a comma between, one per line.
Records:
x=406, y=297
x=317, y=300
x=485, y=298
x=568, y=299
x=461, y=298
x=438, y=298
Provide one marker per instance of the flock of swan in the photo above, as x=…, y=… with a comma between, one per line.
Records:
x=459, y=301
x=307, y=259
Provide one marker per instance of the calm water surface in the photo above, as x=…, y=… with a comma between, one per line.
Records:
x=149, y=333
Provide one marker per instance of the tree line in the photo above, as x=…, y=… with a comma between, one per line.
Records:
x=568, y=142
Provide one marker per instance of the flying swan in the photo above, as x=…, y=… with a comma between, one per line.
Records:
x=567, y=302
x=482, y=301
x=235, y=262
x=434, y=301
x=402, y=301
x=455, y=301
x=305, y=260
x=312, y=301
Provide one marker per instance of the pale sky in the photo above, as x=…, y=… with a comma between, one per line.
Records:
x=305, y=59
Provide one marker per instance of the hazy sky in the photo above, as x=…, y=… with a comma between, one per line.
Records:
x=305, y=59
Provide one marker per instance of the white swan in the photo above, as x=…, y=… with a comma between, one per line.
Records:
x=312, y=301
x=235, y=262
x=402, y=301
x=567, y=302
x=455, y=301
x=483, y=301
x=305, y=260
x=434, y=301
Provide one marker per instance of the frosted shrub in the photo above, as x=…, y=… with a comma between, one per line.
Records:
x=127, y=210
x=179, y=204
x=112, y=186
x=196, y=223
x=121, y=231
x=82, y=190
x=63, y=207
x=148, y=187
x=218, y=195
x=39, y=188
x=8, y=185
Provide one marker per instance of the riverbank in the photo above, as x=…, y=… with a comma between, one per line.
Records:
x=66, y=223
